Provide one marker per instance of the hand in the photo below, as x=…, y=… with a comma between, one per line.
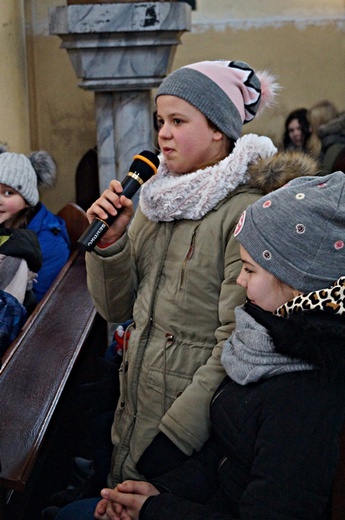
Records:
x=101, y=510
x=108, y=203
x=108, y=510
x=125, y=501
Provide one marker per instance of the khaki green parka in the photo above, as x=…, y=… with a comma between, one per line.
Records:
x=183, y=310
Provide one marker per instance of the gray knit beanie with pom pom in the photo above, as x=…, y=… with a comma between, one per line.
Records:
x=26, y=174
x=228, y=93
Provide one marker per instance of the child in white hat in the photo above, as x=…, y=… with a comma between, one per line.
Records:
x=21, y=177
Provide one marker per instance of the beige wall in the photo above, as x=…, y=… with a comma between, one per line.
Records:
x=14, y=103
x=301, y=41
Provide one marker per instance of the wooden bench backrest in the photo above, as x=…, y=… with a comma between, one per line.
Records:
x=37, y=367
x=76, y=221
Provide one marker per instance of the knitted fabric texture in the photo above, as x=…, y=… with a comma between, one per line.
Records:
x=27, y=174
x=228, y=93
x=249, y=354
x=17, y=172
x=297, y=232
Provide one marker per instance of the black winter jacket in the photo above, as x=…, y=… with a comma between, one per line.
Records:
x=274, y=445
x=22, y=243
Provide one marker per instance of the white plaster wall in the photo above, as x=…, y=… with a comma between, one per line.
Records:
x=247, y=14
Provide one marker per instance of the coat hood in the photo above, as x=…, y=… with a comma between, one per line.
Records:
x=271, y=173
x=45, y=219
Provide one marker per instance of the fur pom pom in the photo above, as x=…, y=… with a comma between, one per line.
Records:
x=45, y=168
x=269, y=89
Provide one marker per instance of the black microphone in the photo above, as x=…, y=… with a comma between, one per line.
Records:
x=144, y=165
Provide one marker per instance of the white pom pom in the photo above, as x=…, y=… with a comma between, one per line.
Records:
x=269, y=89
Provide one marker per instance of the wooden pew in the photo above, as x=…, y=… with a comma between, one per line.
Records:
x=76, y=221
x=36, y=370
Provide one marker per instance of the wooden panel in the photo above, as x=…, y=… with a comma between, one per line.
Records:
x=76, y=221
x=35, y=372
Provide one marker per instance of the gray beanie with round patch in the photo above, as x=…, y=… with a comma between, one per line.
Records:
x=297, y=232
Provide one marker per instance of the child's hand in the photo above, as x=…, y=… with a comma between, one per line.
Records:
x=108, y=204
x=101, y=510
x=108, y=510
x=138, y=487
x=126, y=500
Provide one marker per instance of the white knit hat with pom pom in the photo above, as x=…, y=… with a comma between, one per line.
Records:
x=228, y=93
x=26, y=174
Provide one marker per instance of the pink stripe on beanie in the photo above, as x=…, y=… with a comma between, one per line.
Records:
x=228, y=93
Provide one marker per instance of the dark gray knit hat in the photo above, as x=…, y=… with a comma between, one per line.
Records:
x=297, y=232
x=26, y=174
x=228, y=93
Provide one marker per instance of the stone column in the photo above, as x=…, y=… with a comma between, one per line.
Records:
x=121, y=51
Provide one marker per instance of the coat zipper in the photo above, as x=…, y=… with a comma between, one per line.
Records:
x=188, y=256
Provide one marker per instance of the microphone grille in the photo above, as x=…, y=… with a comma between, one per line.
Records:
x=145, y=164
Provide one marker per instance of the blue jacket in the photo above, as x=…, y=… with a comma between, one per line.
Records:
x=55, y=246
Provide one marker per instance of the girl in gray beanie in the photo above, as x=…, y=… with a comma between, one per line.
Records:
x=21, y=177
x=178, y=253
x=174, y=270
x=277, y=416
x=176, y=262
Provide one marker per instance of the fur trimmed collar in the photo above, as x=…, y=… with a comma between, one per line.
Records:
x=168, y=196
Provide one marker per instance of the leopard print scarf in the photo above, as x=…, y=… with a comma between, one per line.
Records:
x=331, y=300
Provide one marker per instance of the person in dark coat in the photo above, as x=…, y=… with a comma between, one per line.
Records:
x=277, y=416
x=327, y=140
x=332, y=136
